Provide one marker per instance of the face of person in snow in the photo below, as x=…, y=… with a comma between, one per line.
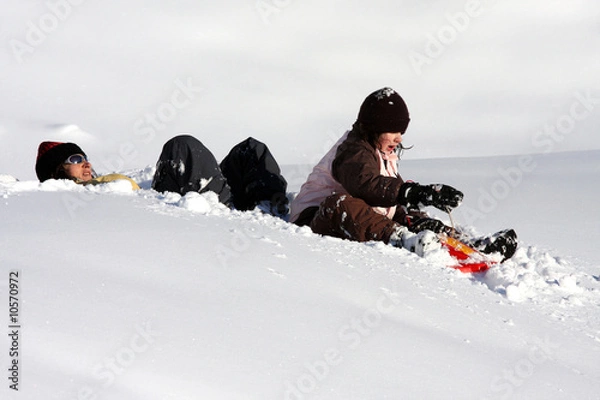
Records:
x=387, y=142
x=78, y=167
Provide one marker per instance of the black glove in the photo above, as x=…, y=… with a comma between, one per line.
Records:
x=431, y=224
x=440, y=196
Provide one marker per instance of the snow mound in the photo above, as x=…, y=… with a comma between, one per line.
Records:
x=7, y=178
x=71, y=133
x=205, y=203
x=533, y=274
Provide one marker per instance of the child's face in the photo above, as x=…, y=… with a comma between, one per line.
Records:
x=81, y=171
x=387, y=142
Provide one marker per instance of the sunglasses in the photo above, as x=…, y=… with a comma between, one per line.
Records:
x=76, y=159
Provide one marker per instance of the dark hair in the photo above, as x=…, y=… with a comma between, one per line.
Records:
x=60, y=173
x=369, y=136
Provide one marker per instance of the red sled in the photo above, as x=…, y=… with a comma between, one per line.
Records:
x=468, y=259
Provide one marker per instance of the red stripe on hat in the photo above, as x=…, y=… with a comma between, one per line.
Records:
x=45, y=146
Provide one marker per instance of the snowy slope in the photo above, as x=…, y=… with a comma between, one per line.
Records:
x=144, y=296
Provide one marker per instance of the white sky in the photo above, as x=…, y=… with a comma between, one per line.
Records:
x=510, y=78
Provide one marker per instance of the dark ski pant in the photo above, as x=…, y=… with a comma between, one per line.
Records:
x=247, y=176
x=254, y=176
x=347, y=217
x=186, y=165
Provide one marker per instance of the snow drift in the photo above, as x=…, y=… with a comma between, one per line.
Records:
x=142, y=295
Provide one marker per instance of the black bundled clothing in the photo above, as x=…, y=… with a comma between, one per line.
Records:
x=186, y=165
x=254, y=176
x=246, y=178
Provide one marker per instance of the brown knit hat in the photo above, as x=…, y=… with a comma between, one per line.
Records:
x=51, y=155
x=384, y=111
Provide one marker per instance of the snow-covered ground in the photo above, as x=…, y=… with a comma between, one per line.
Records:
x=141, y=295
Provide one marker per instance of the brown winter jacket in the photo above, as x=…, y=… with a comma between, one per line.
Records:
x=356, y=167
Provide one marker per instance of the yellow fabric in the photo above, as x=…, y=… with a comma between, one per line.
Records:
x=110, y=178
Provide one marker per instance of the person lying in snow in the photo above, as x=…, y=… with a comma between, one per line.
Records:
x=248, y=177
x=356, y=193
x=56, y=160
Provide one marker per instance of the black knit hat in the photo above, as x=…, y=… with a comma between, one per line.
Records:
x=51, y=155
x=384, y=111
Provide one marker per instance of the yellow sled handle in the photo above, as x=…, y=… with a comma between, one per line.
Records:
x=457, y=245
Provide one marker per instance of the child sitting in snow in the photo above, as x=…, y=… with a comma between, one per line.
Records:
x=248, y=177
x=356, y=193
